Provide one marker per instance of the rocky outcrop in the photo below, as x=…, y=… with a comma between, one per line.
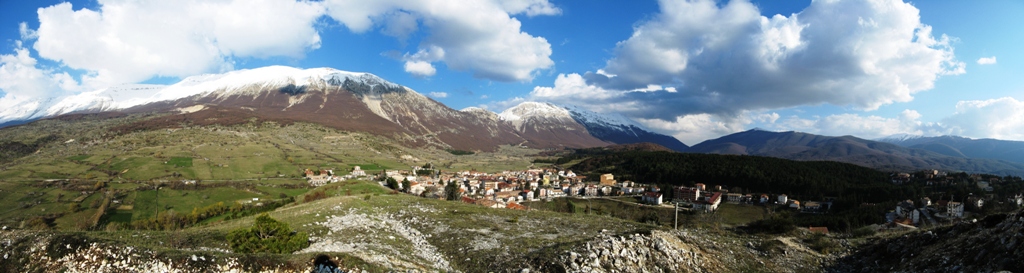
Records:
x=690, y=250
x=27, y=251
x=991, y=244
x=658, y=252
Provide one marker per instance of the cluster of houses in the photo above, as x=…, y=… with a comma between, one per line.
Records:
x=938, y=178
x=908, y=213
x=325, y=176
x=702, y=199
x=507, y=189
x=321, y=177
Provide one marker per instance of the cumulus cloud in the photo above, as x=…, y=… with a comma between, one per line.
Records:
x=725, y=59
x=477, y=36
x=1001, y=118
x=439, y=95
x=987, y=60
x=420, y=68
x=132, y=41
x=23, y=83
x=695, y=128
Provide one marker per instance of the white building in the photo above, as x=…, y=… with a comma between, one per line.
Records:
x=357, y=171
x=652, y=198
x=955, y=209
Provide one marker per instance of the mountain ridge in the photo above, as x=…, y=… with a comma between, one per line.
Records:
x=849, y=149
x=352, y=101
x=1007, y=150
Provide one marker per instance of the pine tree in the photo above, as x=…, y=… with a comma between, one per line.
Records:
x=267, y=235
x=451, y=191
x=392, y=183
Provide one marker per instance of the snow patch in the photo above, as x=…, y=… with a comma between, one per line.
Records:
x=897, y=138
x=191, y=109
x=532, y=109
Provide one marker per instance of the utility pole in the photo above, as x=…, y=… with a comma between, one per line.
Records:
x=677, y=215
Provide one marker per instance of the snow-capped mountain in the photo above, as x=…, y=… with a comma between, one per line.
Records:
x=548, y=124
x=239, y=82
x=619, y=129
x=348, y=101
x=107, y=99
x=899, y=138
x=536, y=113
x=612, y=128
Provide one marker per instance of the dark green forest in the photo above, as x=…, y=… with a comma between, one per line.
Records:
x=860, y=195
x=750, y=174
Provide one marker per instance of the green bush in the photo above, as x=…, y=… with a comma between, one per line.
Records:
x=459, y=152
x=822, y=243
x=773, y=225
x=863, y=232
x=267, y=235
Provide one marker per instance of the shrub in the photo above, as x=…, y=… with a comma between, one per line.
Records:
x=775, y=225
x=863, y=232
x=821, y=243
x=267, y=235
x=459, y=152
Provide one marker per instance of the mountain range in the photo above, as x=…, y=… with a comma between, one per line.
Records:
x=875, y=154
x=955, y=146
x=366, y=103
x=351, y=101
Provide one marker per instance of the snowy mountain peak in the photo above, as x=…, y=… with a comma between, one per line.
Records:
x=243, y=81
x=473, y=109
x=532, y=109
x=897, y=138
x=240, y=81
x=604, y=119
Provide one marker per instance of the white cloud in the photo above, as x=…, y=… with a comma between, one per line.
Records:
x=26, y=33
x=867, y=127
x=439, y=95
x=725, y=59
x=25, y=87
x=693, y=129
x=530, y=7
x=131, y=41
x=573, y=88
x=477, y=36
x=420, y=68
x=987, y=60
x=1001, y=118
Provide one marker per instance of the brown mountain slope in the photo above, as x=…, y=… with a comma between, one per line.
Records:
x=394, y=112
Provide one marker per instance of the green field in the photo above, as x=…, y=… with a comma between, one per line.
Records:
x=181, y=162
x=738, y=215
x=232, y=162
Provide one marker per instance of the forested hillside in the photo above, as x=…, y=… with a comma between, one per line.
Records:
x=809, y=179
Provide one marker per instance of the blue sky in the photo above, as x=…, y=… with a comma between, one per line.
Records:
x=692, y=69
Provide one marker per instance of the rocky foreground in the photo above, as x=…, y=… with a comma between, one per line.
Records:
x=391, y=242
x=660, y=251
x=992, y=244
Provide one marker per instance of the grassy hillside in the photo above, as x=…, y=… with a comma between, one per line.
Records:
x=370, y=228
x=65, y=168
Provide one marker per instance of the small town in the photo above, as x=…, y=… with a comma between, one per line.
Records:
x=511, y=189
